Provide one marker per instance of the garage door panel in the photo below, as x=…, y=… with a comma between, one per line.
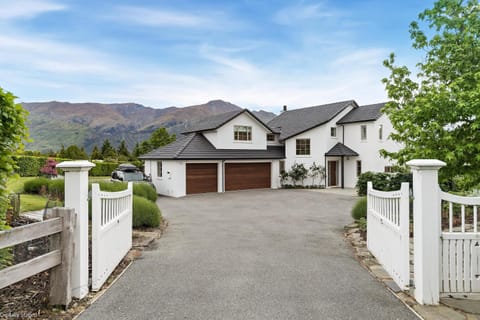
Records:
x=241, y=176
x=201, y=177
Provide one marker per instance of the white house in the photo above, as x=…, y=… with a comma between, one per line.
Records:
x=236, y=150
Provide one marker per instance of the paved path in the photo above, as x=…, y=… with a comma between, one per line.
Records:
x=251, y=255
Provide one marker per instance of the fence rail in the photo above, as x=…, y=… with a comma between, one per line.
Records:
x=58, y=259
x=388, y=231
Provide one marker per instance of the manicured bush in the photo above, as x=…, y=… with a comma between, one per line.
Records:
x=36, y=186
x=145, y=213
x=382, y=181
x=360, y=209
x=145, y=190
x=103, y=168
x=56, y=188
x=110, y=186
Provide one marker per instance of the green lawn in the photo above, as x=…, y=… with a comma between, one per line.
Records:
x=32, y=202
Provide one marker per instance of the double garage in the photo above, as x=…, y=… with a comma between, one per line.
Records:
x=203, y=177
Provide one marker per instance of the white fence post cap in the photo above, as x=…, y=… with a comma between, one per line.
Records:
x=78, y=165
x=432, y=164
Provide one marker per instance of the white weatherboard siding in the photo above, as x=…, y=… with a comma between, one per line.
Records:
x=222, y=138
x=369, y=149
x=172, y=182
x=320, y=142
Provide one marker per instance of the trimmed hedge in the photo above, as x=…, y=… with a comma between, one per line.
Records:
x=103, y=168
x=359, y=210
x=145, y=190
x=145, y=213
x=56, y=188
x=35, y=186
x=29, y=166
x=382, y=181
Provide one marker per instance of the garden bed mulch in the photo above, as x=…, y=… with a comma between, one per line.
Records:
x=28, y=299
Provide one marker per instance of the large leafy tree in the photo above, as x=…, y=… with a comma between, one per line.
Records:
x=12, y=133
x=73, y=152
x=108, y=152
x=159, y=138
x=437, y=113
x=123, y=150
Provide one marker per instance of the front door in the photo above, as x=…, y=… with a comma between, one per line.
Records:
x=332, y=173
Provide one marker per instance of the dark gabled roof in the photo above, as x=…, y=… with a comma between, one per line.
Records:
x=363, y=113
x=215, y=122
x=195, y=146
x=341, y=150
x=294, y=122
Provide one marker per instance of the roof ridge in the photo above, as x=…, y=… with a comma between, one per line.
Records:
x=187, y=142
x=320, y=105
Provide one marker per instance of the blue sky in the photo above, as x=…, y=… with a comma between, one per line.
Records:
x=253, y=53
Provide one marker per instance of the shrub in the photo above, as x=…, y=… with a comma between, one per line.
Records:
x=382, y=181
x=145, y=213
x=298, y=172
x=360, y=209
x=103, y=168
x=36, y=186
x=145, y=190
x=56, y=188
x=112, y=186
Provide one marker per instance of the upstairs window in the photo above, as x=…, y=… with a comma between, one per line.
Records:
x=303, y=147
x=380, y=132
x=159, y=169
x=363, y=132
x=333, y=132
x=270, y=137
x=242, y=133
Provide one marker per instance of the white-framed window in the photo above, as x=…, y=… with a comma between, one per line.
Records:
x=388, y=169
x=333, y=132
x=303, y=147
x=359, y=167
x=159, y=169
x=380, y=132
x=282, y=166
x=363, y=132
x=242, y=133
x=270, y=137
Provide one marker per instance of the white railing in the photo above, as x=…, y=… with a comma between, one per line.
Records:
x=388, y=231
x=111, y=231
x=460, y=247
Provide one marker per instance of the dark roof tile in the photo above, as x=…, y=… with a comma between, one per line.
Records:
x=294, y=122
x=341, y=150
x=363, y=113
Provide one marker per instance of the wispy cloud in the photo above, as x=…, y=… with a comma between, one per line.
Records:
x=27, y=8
x=161, y=17
x=302, y=12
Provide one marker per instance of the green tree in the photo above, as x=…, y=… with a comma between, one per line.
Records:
x=159, y=138
x=108, y=152
x=437, y=113
x=13, y=131
x=123, y=150
x=95, y=153
x=73, y=152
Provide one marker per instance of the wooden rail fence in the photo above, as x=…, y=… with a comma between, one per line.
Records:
x=58, y=259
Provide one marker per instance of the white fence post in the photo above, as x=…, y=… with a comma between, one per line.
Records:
x=427, y=229
x=76, y=197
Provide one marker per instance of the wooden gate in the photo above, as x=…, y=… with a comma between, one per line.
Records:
x=388, y=231
x=460, y=245
x=111, y=231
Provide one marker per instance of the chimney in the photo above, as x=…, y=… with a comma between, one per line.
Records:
x=284, y=108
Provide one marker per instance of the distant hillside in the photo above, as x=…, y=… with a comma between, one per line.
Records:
x=55, y=123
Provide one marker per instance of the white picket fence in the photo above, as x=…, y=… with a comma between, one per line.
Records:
x=111, y=231
x=460, y=247
x=388, y=231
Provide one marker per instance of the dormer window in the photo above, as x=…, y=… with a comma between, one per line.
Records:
x=270, y=137
x=242, y=133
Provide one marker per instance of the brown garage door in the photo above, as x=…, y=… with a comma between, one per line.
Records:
x=201, y=177
x=240, y=176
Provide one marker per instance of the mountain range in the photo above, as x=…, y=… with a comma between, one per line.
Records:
x=53, y=124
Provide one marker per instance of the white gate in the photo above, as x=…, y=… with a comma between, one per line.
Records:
x=388, y=231
x=111, y=231
x=460, y=247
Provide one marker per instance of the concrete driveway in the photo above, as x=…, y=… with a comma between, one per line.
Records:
x=267, y=254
